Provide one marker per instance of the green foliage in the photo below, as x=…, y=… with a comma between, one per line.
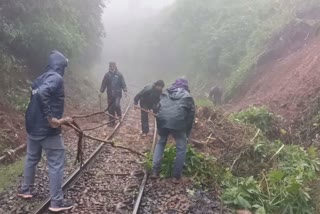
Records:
x=284, y=188
x=280, y=182
x=203, y=102
x=216, y=41
x=10, y=174
x=18, y=100
x=258, y=116
x=30, y=30
x=203, y=170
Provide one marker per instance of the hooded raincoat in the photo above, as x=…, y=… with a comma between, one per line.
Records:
x=177, y=110
x=47, y=97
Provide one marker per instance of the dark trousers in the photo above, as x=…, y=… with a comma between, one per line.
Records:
x=216, y=100
x=145, y=118
x=144, y=121
x=115, y=107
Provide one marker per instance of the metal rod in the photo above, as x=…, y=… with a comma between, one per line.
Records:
x=155, y=135
x=141, y=190
x=145, y=177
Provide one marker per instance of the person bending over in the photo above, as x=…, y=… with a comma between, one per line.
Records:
x=176, y=116
x=149, y=99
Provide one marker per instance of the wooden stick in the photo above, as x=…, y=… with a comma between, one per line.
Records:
x=104, y=124
x=276, y=153
x=109, y=142
x=126, y=148
x=256, y=135
x=13, y=153
x=91, y=115
x=94, y=114
x=145, y=110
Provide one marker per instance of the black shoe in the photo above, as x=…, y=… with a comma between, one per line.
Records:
x=64, y=205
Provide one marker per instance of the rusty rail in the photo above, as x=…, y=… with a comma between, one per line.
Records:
x=145, y=177
x=76, y=174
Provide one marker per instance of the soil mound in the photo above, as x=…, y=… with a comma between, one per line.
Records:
x=287, y=86
x=285, y=78
x=216, y=134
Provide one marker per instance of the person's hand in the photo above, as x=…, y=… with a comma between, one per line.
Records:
x=54, y=122
x=135, y=107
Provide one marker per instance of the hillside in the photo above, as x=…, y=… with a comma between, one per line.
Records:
x=289, y=86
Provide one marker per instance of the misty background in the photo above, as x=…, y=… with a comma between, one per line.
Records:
x=126, y=24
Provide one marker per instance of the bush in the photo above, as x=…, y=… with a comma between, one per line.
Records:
x=18, y=101
x=203, y=102
x=203, y=170
x=258, y=116
x=284, y=188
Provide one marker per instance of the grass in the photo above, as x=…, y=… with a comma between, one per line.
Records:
x=202, y=102
x=10, y=174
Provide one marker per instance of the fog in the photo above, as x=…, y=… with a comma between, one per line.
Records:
x=124, y=22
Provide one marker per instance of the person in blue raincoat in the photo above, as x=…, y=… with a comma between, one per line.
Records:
x=44, y=118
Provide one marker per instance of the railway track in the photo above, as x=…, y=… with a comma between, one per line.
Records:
x=111, y=180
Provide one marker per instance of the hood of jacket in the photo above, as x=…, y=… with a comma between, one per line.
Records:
x=57, y=62
x=178, y=93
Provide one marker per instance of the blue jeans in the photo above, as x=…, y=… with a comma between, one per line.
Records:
x=181, y=145
x=54, y=148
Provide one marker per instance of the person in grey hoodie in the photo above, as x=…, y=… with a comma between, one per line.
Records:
x=175, y=117
x=44, y=118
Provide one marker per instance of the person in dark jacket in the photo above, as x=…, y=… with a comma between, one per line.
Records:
x=176, y=116
x=215, y=95
x=44, y=118
x=114, y=82
x=149, y=99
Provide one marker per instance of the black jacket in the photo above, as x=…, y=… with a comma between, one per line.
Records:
x=149, y=97
x=177, y=111
x=114, y=83
x=47, y=98
x=215, y=92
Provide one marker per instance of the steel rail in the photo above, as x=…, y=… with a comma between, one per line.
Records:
x=145, y=177
x=78, y=172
